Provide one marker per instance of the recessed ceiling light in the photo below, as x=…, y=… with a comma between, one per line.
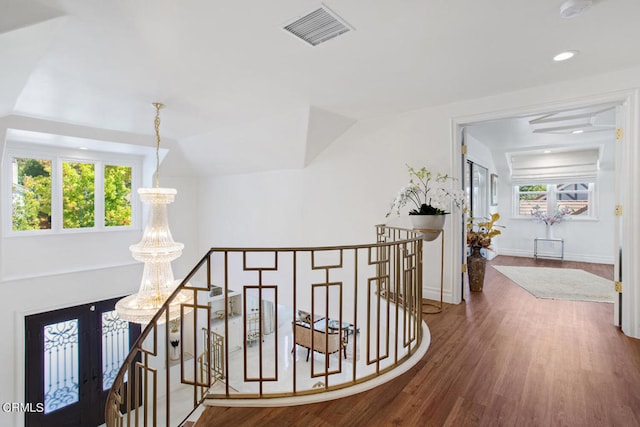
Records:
x=578, y=131
x=563, y=56
x=547, y=151
x=82, y=148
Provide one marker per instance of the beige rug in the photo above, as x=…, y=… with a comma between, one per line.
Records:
x=560, y=283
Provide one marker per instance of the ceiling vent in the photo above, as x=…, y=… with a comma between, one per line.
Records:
x=318, y=26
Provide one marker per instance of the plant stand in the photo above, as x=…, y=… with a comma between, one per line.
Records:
x=548, y=243
x=432, y=308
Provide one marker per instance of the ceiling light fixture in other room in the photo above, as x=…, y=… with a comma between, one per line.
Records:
x=563, y=56
x=572, y=8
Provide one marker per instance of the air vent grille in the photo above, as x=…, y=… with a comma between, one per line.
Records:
x=318, y=26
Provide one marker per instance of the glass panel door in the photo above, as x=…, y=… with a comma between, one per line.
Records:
x=115, y=346
x=61, y=365
x=72, y=358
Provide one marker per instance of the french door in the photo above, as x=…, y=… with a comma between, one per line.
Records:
x=72, y=358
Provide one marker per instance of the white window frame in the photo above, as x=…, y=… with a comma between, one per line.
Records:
x=58, y=155
x=552, y=200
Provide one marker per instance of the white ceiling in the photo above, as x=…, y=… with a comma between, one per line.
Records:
x=513, y=135
x=236, y=84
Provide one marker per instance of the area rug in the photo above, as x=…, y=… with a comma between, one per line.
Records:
x=560, y=283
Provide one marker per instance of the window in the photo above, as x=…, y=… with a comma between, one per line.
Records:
x=52, y=191
x=530, y=196
x=578, y=197
x=31, y=194
x=575, y=197
x=117, y=196
x=78, y=187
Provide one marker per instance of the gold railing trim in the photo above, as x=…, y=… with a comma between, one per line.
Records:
x=125, y=394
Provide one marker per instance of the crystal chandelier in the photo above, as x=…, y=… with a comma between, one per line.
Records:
x=156, y=250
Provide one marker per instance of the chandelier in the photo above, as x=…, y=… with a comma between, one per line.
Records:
x=156, y=250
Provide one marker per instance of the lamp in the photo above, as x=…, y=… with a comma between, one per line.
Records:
x=156, y=249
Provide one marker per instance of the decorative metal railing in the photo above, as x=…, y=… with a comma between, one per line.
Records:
x=275, y=322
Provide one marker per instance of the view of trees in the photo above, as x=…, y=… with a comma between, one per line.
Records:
x=531, y=189
x=32, y=195
x=77, y=195
x=117, y=196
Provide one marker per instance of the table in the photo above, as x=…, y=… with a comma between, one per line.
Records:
x=539, y=240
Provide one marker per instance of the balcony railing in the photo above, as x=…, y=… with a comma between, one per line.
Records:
x=275, y=322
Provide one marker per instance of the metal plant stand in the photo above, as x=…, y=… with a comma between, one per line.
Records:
x=430, y=307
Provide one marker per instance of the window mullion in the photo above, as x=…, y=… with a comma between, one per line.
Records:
x=98, y=191
x=56, y=195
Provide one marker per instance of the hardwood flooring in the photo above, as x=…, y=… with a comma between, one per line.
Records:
x=503, y=357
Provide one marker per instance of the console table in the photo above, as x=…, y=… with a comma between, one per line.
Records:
x=551, y=242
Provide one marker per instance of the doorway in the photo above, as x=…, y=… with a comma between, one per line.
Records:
x=581, y=111
x=72, y=356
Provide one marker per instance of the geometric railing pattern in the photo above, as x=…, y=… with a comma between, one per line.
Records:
x=275, y=322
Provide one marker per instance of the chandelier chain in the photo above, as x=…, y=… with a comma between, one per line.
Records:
x=156, y=122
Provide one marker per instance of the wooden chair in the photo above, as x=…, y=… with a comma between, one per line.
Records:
x=323, y=342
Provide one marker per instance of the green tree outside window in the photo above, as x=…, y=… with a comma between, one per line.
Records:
x=117, y=196
x=31, y=196
x=32, y=193
x=78, y=209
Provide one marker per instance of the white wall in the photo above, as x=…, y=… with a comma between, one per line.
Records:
x=338, y=198
x=586, y=240
x=347, y=189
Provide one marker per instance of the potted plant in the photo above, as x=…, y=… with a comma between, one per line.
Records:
x=430, y=195
x=480, y=231
x=549, y=220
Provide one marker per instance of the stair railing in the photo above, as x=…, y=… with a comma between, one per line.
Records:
x=231, y=345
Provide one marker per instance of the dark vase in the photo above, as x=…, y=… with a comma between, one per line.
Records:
x=476, y=264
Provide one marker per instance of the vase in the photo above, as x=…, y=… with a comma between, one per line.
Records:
x=549, y=231
x=174, y=347
x=433, y=223
x=476, y=265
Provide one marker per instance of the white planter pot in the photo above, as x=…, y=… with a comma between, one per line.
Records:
x=430, y=225
x=549, y=231
x=174, y=345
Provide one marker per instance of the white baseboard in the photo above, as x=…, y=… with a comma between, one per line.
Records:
x=594, y=259
x=434, y=294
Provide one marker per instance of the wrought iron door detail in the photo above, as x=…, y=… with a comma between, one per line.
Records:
x=61, y=367
x=115, y=346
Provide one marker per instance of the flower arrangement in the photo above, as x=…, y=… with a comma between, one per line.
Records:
x=429, y=193
x=558, y=215
x=480, y=231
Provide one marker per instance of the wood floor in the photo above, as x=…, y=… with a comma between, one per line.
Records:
x=503, y=357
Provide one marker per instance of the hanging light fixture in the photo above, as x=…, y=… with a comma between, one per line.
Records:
x=156, y=250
